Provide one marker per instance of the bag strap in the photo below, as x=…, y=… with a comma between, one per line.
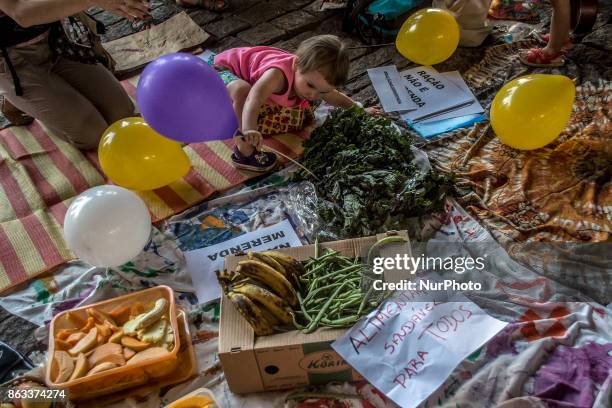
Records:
x=96, y=28
x=9, y=63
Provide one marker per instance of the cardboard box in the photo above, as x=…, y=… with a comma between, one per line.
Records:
x=292, y=359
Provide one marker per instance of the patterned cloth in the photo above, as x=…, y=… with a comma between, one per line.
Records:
x=40, y=174
x=562, y=192
x=518, y=10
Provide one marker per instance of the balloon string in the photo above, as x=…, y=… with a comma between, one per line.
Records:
x=356, y=47
x=239, y=133
x=290, y=159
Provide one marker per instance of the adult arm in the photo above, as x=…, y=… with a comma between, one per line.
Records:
x=33, y=12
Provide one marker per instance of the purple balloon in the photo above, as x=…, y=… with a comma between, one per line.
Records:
x=184, y=99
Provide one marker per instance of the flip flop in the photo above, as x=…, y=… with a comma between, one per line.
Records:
x=536, y=57
x=210, y=5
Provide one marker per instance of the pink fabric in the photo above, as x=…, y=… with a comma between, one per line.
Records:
x=250, y=63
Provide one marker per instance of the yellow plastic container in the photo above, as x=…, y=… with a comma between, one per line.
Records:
x=200, y=398
x=116, y=379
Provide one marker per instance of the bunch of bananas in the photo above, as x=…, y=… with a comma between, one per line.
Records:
x=264, y=289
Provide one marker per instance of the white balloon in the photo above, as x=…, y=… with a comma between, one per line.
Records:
x=107, y=225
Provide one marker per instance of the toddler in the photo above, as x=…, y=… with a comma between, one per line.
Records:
x=260, y=75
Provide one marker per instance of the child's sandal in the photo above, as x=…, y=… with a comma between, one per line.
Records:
x=536, y=57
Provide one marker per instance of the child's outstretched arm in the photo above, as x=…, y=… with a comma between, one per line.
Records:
x=272, y=81
x=340, y=100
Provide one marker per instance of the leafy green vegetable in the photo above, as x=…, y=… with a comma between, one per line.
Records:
x=367, y=182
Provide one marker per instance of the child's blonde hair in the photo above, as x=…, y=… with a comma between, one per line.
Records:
x=326, y=54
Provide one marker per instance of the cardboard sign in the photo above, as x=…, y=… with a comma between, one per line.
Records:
x=202, y=263
x=433, y=93
x=390, y=89
x=407, y=348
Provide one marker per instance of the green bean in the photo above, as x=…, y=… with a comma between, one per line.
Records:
x=382, y=242
x=312, y=326
x=330, y=286
x=343, y=321
x=339, y=271
x=365, y=298
x=306, y=315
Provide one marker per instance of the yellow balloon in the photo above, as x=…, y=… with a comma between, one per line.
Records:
x=134, y=156
x=428, y=37
x=530, y=112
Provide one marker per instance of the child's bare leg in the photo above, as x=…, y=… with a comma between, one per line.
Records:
x=238, y=91
x=559, y=26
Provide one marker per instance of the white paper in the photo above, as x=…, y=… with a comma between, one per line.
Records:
x=202, y=263
x=432, y=92
x=390, y=89
x=407, y=348
x=472, y=109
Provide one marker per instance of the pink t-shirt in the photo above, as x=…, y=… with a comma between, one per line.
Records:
x=250, y=63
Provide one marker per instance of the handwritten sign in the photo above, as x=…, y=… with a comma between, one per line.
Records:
x=202, y=263
x=407, y=347
x=390, y=89
x=434, y=93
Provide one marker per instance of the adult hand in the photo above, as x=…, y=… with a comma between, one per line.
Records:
x=130, y=9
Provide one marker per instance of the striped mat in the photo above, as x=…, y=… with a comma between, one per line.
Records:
x=40, y=174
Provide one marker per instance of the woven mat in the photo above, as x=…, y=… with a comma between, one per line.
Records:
x=562, y=192
x=40, y=174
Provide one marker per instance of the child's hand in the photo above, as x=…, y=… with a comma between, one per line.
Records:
x=375, y=110
x=253, y=137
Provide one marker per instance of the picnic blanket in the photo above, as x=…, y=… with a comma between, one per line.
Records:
x=555, y=349
x=40, y=174
x=562, y=192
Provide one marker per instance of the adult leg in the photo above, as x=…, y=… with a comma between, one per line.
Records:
x=99, y=86
x=50, y=99
x=559, y=26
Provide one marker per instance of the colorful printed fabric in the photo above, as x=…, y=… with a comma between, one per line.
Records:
x=562, y=192
x=519, y=10
x=40, y=174
x=275, y=119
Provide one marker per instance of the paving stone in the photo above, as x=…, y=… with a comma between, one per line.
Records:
x=227, y=43
x=367, y=96
x=357, y=84
x=292, y=43
x=92, y=11
x=107, y=18
x=202, y=17
x=315, y=8
x=264, y=11
x=295, y=22
x=164, y=12
x=120, y=29
x=243, y=4
x=263, y=34
x=295, y=4
x=377, y=58
x=228, y=26
x=18, y=333
x=331, y=25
